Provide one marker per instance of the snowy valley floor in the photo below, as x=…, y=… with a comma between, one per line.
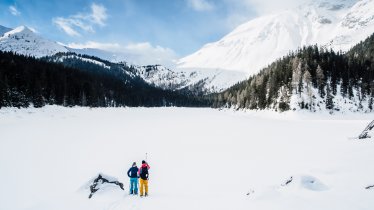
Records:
x=200, y=159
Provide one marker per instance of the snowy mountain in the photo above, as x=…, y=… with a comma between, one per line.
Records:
x=195, y=81
x=200, y=80
x=339, y=24
x=24, y=41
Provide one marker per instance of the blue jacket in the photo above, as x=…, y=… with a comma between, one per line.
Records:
x=133, y=172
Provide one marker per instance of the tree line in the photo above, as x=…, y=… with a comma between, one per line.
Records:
x=26, y=81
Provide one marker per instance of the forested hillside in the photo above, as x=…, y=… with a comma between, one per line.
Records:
x=26, y=81
x=311, y=78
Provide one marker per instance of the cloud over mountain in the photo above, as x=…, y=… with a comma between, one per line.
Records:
x=74, y=24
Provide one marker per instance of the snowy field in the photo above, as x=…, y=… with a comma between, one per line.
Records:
x=200, y=159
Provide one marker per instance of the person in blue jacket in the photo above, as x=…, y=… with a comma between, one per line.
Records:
x=133, y=173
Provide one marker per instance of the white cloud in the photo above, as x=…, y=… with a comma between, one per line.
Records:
x=200, y=5
x=98, y=14
x=66, y=26
x=143, y=53
x=13, y=10
x=82, y=21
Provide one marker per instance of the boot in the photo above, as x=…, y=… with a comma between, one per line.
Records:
x=146, y=194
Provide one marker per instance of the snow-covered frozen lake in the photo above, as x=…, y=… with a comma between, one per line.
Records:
x=200, y=159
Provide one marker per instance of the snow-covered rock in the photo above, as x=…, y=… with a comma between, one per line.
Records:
x=368, y=131
x=338, y=24
x=24, y=41
x=101, y=184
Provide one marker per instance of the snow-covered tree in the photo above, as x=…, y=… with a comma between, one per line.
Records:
x=329, y=97
x=296, y=75
x=307, y=78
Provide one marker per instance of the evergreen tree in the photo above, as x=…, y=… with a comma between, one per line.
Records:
x=320, y=81
x=329, y=97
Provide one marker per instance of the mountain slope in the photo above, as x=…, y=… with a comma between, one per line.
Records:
x=257, y=43
x=80, y=81
x=193, y=82
x=25, y=42
x=199, y=81
x=311, y=78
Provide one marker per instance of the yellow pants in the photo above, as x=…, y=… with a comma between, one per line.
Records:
x=143, y=185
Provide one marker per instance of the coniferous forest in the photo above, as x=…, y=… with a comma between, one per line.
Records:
x=312, y=78
x=26, y=81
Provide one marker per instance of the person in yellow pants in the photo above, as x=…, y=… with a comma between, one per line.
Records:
x=143, y=186
x=143, y=173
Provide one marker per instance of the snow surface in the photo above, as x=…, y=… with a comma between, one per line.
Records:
x=215, y=80
x=106, y=55
x=337, y=24
x=89, y=60
x=199, y=158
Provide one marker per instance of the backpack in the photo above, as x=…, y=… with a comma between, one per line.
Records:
x=144, y=173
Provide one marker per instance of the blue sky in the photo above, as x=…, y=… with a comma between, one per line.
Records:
x=173, y=27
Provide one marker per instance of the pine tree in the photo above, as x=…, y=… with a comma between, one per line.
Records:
x=83, y=99
x=307, y=78
x=320, y=81
x=284, y=100
x=370, y=105
x=329, y=97
x=4, y=93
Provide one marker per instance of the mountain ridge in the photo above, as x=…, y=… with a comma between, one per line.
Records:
x=257, y=43
x=24, y=41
